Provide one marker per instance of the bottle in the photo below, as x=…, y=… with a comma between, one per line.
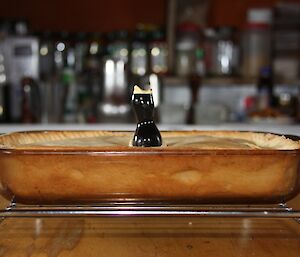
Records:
x=227, y=52
x=188, y=38
x=139, y=53
x=81, y=50
x=114, y=106
x=60, y=50
x=118, y=46
x=6, y=28
x=298, y=107
x=89, y=81
x=94, y=53
x=46, y=72
x=31, y=104
x=4, y=92
x=69, y=95
x=46, y=54
x=210, y=51
x=200, y=62
x=68, y=83
x=257, y=41
x=265, y=98
x=4, y=102
x=158, y=52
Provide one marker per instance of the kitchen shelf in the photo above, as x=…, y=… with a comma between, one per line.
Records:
x=221, y=81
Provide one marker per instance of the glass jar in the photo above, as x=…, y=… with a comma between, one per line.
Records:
x=188, y=37
x=257, y=42
x=227, y=53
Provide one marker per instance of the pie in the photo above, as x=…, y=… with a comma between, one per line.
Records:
x=198, y=166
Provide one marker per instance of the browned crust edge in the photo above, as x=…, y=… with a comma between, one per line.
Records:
x=22, y=140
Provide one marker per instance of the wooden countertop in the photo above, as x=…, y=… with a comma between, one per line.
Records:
x=210, y=237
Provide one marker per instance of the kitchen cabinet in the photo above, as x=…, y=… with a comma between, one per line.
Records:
x=87, y=16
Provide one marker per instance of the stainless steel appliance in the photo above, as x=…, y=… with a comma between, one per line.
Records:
x=21, y=55
x=115, y=105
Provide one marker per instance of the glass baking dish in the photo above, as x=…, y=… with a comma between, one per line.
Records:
x=52, y=175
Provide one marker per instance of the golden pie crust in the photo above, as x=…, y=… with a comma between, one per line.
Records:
x=177, y=139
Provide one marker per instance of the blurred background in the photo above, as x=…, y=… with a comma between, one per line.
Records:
x=207, y=61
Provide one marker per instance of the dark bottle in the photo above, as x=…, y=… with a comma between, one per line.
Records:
x=265, y=98
x=94, y=53
x=158, y=50
x=21, y=27
x=69, y=95
x=146, y=134
x=139, y=53
x=4, y=92
x=31, y=104
x=46, y=56
x=89, y=80
x=194, y=84
x=61, y=47
x=81, y=48
x=4, y=103
x=298, y=108
x=118, y=46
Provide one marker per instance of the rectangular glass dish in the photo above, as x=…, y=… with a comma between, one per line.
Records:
x=68, y=167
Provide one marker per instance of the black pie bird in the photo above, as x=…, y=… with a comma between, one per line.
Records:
x=146, y=133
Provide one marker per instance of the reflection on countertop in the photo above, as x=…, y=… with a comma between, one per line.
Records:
x=149, y=237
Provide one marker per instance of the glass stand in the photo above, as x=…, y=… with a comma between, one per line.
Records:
x=150, y=209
